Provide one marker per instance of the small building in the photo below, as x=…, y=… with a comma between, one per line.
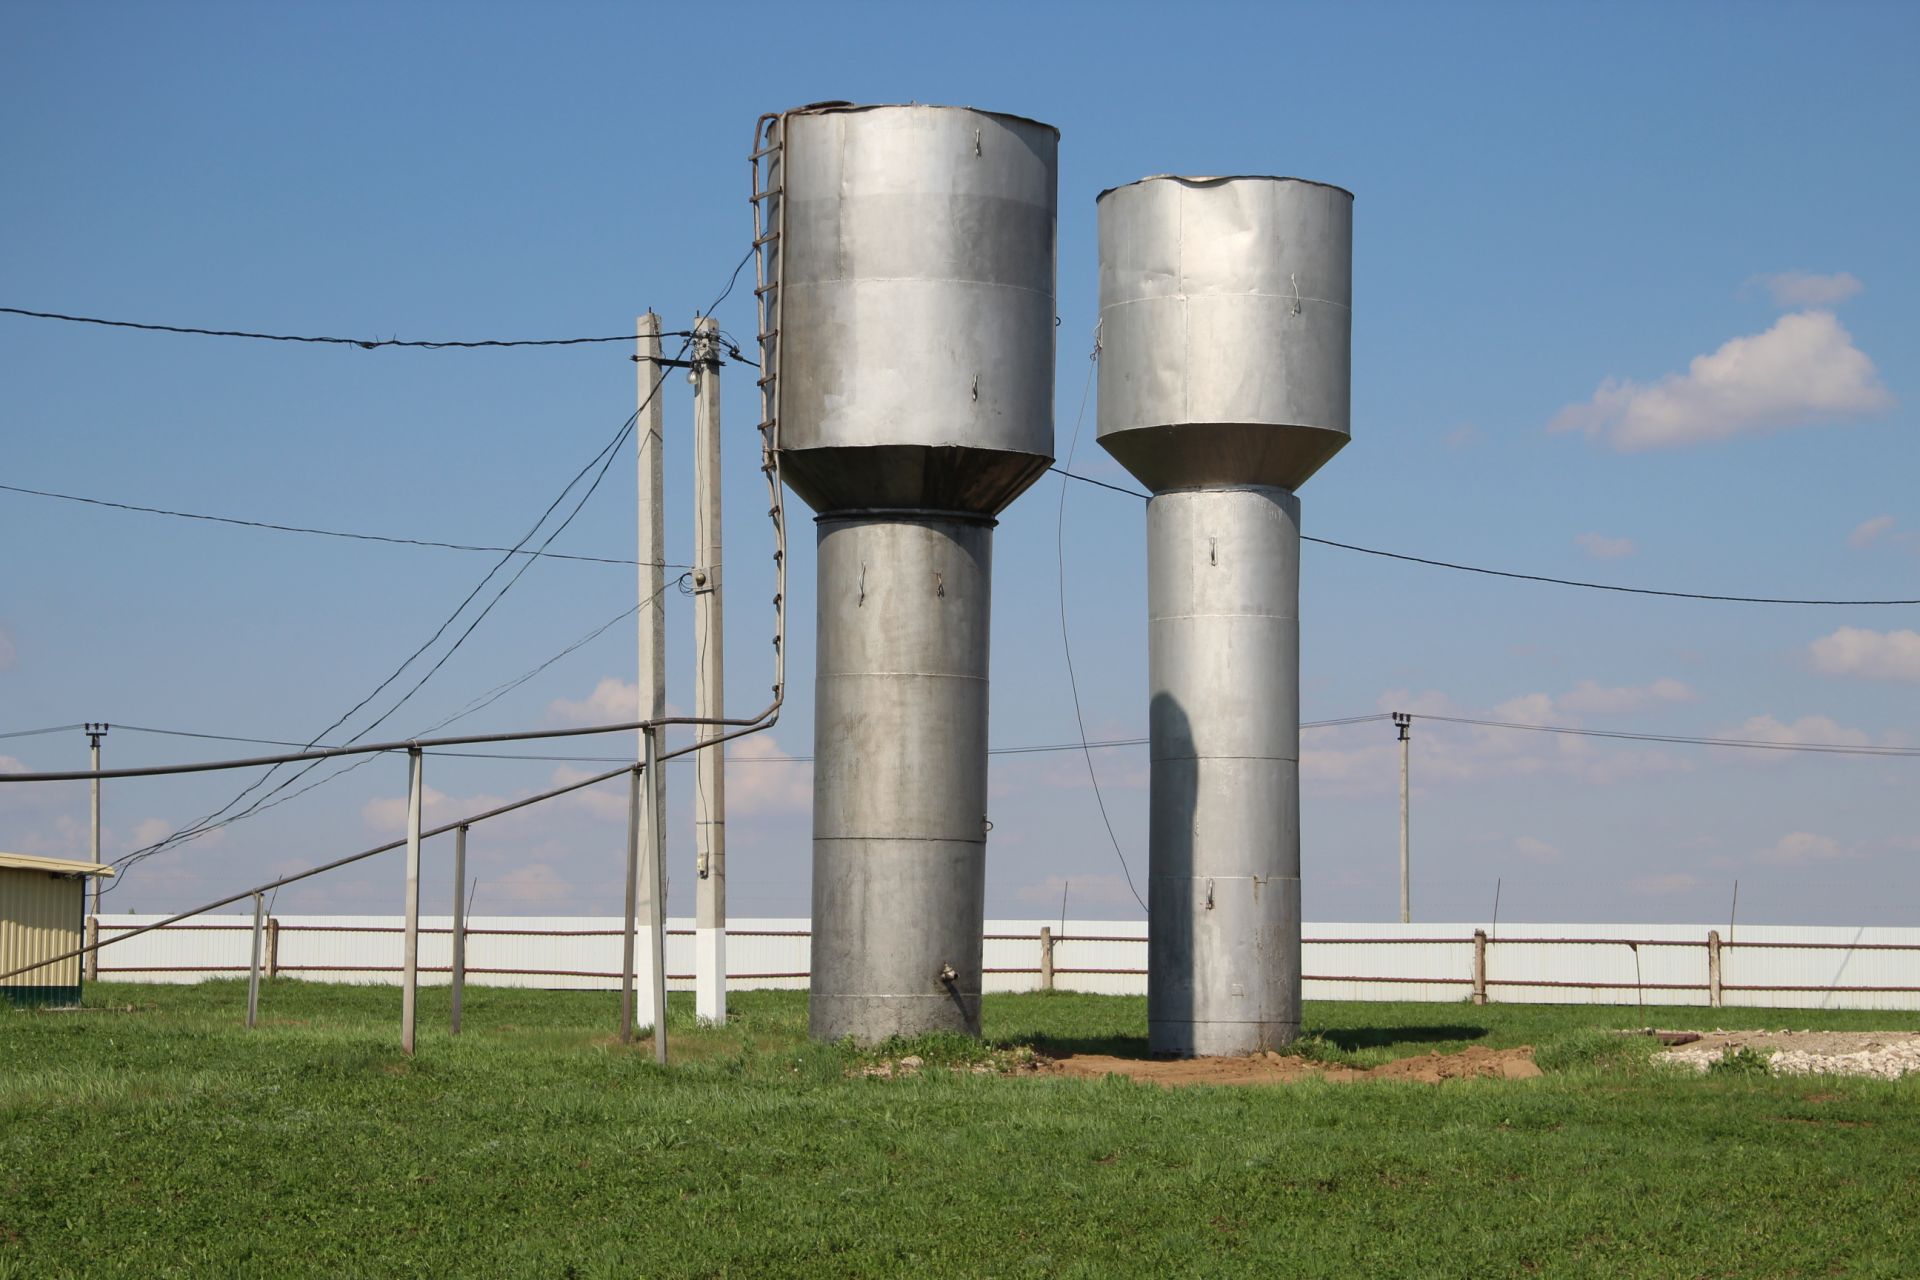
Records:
x=43, y=904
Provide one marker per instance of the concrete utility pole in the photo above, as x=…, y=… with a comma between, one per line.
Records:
x=657, y=895
x=709, y=700
x=1404, y=723
x=410, y=942
x=459, y=929
x=649, y=437
x=95, y=732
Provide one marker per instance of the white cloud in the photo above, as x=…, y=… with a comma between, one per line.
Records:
x=1803, y=371
x=1365, y=758
x=760, y=783
x=536, y=884
x=1883, y=530
x=1537, y=849
x=1869, y=530
x=151, y=831
x=613, y=701
x=1590, y=697
x=1807, y=729
x=1528, y=708
x=1801, y=847
x=388, y=813
x=1081, y=891
x=1601, y=547
x=607, y=801
x=1429, y=703
x=1793, y=290
x=1872, y=655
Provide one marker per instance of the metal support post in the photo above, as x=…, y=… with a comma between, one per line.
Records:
x=410, y=955
x=1046, y=958
x=1713, y=968
x=93, y=951
x=1479, y=966
x=459, y=927
x=1404, y=723
x=628, y=946
x=709, y=701
x=253, y=969
x=657, y=897
x=273, y=947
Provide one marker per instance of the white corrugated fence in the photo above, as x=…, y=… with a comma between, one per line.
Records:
x=1780, y=966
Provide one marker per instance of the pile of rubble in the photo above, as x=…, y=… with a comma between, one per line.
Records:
x=1883, y=1055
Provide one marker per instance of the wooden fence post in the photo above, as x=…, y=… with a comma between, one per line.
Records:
x=1713, y=968
x=273, y=947
x=93, y=955
x=1479, y=966
x=1046, y=958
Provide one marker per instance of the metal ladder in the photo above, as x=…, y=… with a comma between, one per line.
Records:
x=769, y=221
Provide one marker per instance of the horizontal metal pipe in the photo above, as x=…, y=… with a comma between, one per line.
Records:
x=374, y=748
x=752, y=726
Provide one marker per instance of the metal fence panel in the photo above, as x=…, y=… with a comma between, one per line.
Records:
x=1779, y=966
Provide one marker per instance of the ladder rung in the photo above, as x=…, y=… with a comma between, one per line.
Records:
x=768, y=238
x=758, y=196
x=772, y=286
x=768, y=150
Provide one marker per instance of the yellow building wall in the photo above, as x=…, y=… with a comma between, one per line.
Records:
x=40, y=917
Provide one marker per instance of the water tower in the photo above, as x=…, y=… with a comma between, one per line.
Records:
x=1225, y=326
x=911, y=253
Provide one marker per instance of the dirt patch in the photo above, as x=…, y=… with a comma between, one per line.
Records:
x=1474, y=1063
x=1886, y=1055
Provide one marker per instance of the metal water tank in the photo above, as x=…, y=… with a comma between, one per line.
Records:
x=1225, y=328
x=916, y=306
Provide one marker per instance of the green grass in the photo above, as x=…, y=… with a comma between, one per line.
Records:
x=169, y=1140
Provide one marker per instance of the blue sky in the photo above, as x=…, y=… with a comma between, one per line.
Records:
x=1632, y=304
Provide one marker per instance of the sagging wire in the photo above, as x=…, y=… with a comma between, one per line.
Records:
x=1066, y=643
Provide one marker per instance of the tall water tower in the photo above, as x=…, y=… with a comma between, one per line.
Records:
x=1225, y=326
x=912, y=285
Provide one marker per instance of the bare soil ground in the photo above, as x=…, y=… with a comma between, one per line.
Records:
x=1887, y=1055
x=1276, y=1068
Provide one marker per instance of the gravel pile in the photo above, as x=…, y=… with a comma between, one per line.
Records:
x=1883, y=1055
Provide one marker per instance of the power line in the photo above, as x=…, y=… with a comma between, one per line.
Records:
x=1039, y=748
x=219, y=818
x=1527, y=577
x=1750, y=744
x=325, y=533
x=1066, y=645
x=31, y=733
x=604, y=459
x=365, y=344
x=479, y=703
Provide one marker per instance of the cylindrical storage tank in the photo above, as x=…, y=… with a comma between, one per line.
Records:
x=912, y=367
x=916, y=306
x=1225, y=324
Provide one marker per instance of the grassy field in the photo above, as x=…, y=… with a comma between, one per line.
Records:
x=170, y=1140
